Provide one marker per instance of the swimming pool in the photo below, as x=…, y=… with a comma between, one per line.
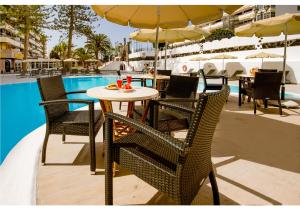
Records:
x=21, y=114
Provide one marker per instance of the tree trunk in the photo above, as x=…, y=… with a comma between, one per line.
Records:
x=70, y=35
x=44, y=50
x=26, y=42
x=96, y=55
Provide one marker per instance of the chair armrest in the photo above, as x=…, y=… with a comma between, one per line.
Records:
x=214, y=76
x=66, y=101
x=77, y=91
x=177, y=107
x=176, y=145
x=181, y=100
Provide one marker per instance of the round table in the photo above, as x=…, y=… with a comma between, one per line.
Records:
x=107, y=96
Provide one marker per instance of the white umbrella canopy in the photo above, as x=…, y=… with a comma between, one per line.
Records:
x=162, y=16
x=287, y=24
x=170, y=35
x=199, y=59
x=70, y=60
x=263, y=55
x=91, y=60
x=223, y=57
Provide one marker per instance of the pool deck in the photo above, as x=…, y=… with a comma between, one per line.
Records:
x=257, y=159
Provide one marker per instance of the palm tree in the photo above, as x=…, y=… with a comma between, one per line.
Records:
x=82, y=54
x=59, y=50
x=98, y=43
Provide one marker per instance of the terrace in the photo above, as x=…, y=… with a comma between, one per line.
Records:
x=255, y=157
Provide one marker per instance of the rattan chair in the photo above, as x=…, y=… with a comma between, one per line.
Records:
x=266, y=86
x=208, y=86
x=180, y=90
x=177, y=168
x=60, y=120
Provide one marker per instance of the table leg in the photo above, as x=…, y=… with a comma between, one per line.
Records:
x=240, y=92
x=130, y=109
x=146, y=109
x=107, y=107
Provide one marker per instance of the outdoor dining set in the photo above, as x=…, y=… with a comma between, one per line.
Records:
x=142, y=140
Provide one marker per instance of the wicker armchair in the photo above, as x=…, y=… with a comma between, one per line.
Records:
x=266, y=86
x=175, y=167
x=60, y=120
x=180, y=90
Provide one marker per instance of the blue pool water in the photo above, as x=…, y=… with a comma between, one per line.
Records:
x=21, y=114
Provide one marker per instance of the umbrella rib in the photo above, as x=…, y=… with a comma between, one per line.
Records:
x=187, y=17
x=109, y=10
x=133, y=14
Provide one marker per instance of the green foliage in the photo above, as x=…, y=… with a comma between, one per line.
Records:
x=59, y=51
x=43, y=40
x=26, y=19
x=82, y=54
x=73, y=19
x=82, y=16
x=98, y=43
x=219, y=34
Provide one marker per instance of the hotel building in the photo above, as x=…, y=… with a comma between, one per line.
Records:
x=12, y=47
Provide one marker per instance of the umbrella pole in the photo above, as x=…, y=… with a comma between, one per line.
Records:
x=262, y=63
x=284, y=64
x=165, y=55
x=223, y=66
x=156, y=47
x=155, y=57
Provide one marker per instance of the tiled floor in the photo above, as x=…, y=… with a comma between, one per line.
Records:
x=257, y=159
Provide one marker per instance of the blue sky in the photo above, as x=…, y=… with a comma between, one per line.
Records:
x=115, y=32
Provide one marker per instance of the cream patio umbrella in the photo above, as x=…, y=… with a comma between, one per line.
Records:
x=263, y=55
x=287, y=24
x=223, y=57
x=199, y=59
x=70, y=60
x=162, y=16
x=170, y=35
x=91, y=60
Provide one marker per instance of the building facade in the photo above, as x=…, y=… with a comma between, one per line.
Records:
x=12, y=47
x=248, y=14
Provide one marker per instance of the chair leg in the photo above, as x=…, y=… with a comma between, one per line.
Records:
x=64, y=138
x=214, y=187
x=254, y=104
x=103, y=133
x=92, y=154
x=120, y=105
x=108, y=162
x=280, y=107
x=266, y=103
x=45, y=147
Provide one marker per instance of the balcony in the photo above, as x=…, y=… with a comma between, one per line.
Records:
x=246, y=16
x=13, y=53
x=11, y=41
x=214, y=26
